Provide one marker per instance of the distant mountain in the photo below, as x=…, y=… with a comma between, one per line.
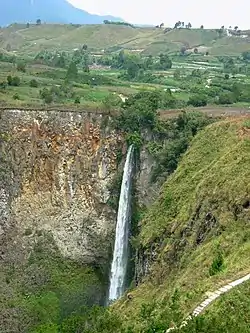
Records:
x=50, y=11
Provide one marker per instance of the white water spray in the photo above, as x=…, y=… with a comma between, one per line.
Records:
x=120, y=254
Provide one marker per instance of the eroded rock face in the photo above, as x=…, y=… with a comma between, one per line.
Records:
x=57, y=168
x=147, y=191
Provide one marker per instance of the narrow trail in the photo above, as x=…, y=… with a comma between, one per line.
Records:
x=214, y=295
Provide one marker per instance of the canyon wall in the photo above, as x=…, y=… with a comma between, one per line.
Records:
x=56, y=168
x=56, y=224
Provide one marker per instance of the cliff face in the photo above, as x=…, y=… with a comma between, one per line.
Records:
x=56, y=171
x=56, y=217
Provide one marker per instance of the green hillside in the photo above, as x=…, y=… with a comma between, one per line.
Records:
x=98, y=37
x=233, y=307
x=201, y=218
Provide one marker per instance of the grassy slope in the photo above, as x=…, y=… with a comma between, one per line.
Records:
x=151, y=40
x=200, y=208
x=232, y=307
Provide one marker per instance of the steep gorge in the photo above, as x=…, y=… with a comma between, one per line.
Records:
x=58, y=220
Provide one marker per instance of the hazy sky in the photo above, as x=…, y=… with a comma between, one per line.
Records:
x=211, y=13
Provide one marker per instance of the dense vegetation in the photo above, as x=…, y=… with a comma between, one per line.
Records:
x=39, y=294
x=80, y=77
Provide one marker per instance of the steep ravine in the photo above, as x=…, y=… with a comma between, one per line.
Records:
x=56, y=168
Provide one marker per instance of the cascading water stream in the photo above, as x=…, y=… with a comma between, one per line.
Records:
x=120, y=254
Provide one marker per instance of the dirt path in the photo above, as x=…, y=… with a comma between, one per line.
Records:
x=210, y=111
x=214, y=295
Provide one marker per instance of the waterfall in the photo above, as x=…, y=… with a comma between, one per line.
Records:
x=120, y=254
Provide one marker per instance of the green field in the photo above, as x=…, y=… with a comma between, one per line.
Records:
x=114, y=37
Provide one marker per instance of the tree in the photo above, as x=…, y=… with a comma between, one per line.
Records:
x=121, y=58
x=59, y=61
x=177, y=74
x=161, y=25
x=222, y=27
x=72, y=71
x=220, y=32
x=85, y=47
x=21, y=67
x=149, y=62
x=8, y=47
x=189, y=26
x=202, y=26
x=183, y=50
x=46, y=95
x=132, y=70
x=86, y=62
x=27, y=25
x=246, y=55
x=196, y=50
x=165, y=62
x=38, y=22
x=177, y=25
x=236, y=28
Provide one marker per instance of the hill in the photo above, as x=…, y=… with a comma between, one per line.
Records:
x=51, y=11
x=113, y=37
x=195, y=238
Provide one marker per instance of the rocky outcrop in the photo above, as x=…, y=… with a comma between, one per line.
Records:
x=55, y=171
x=146, y=190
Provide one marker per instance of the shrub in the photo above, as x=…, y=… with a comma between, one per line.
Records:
x=33, y=83
x=197, y=100
x=21, y=67
x=3, y=85
x=16, y=96
x=111, y=101
x=9, y=80
x=217, y=264
x=246, y=124
x=28, y=232
x=226, y=98
x=134, y=139
x=77, y=100
x=15, y=81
